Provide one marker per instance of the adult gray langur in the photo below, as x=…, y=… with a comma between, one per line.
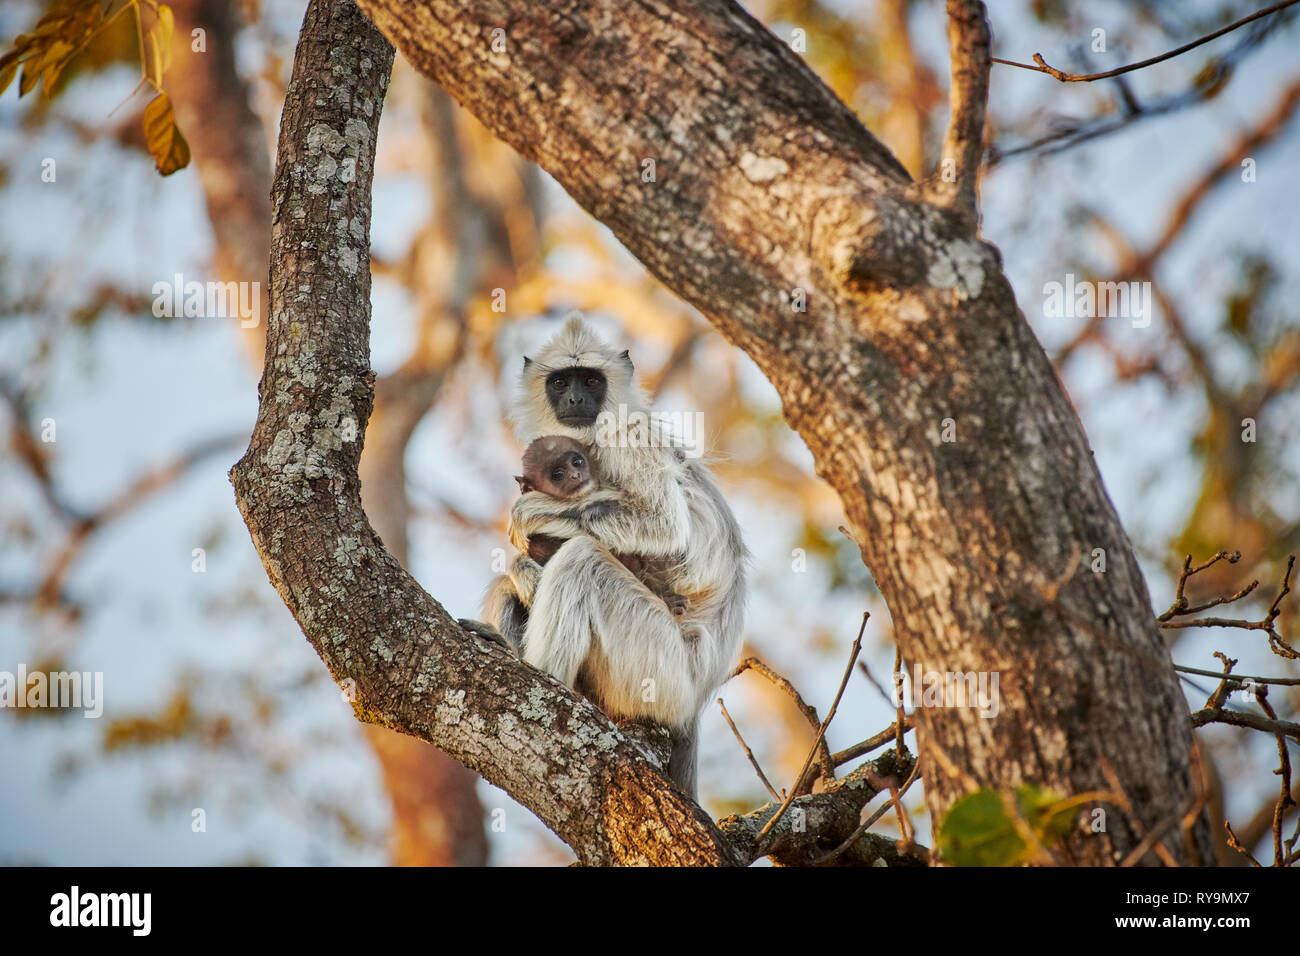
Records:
x=585, y=618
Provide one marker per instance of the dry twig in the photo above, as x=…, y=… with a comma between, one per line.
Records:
x=748, y=753
x=1041, y=66
x=821, y=733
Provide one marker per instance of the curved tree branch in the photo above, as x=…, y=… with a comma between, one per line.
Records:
x=407, y=663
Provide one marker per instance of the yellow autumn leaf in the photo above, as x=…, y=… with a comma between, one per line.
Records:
x=27, y=82
x=8, y=69
x=164, y=139
x=53, y=61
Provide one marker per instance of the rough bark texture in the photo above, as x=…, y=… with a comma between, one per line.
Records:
x=380, y=634
x=767, y=184
x=818, y=824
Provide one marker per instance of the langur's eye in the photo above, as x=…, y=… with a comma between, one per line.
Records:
x=556, y=382
x=593, y=382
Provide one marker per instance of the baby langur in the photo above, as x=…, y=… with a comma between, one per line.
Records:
x=558, y=466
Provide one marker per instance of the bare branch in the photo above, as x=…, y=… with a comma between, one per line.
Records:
x=756, y=665
x=1041, y=66
x=895, y=800
x=826, y=820
x=1236, y=845
x=1180, y=601
x=1236, y=718
x=963, y=144
x=1068, y=132
x=1284, y=799
x=900, y=721
x=1151, y=841
x=1277, y=644
x=821, y=733
x=1281, y=681
x=748, y=753
x=872, y=743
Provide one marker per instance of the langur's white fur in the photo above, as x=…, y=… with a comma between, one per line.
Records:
x=590, y=621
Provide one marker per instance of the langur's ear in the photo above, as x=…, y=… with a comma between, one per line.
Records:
x=527, y=361
x=524, y=487
x=626, y=356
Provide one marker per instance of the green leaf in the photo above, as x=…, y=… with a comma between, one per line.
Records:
x=979, y=832
x=164, y=139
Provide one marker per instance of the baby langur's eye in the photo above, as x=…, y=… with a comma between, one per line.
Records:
x=577, y=461
x=557, y=475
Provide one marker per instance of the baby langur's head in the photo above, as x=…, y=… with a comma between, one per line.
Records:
x=556, y=466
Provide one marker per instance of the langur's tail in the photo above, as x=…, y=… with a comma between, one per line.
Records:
x=682, y=762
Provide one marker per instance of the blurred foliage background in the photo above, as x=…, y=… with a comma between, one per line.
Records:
x=122, y=551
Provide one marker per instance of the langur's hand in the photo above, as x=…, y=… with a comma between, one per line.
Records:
x=599, y=504
x=524, y=573
x=487, y=632
x=601, y=508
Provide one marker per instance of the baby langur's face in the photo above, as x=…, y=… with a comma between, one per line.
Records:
x=557, y=467
x=569, y=475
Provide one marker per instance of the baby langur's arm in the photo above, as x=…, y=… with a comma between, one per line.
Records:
x=537, y=513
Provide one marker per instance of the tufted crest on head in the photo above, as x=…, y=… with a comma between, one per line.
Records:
x=576, y=345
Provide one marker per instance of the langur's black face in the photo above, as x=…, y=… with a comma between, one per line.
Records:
x=576, y=395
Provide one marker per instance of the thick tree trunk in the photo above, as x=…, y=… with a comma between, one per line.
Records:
x=768, y=194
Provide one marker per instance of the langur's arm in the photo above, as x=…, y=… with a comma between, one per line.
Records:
x=506, y=605
x=657, y=527
x=537, y=513
x=524, y=573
